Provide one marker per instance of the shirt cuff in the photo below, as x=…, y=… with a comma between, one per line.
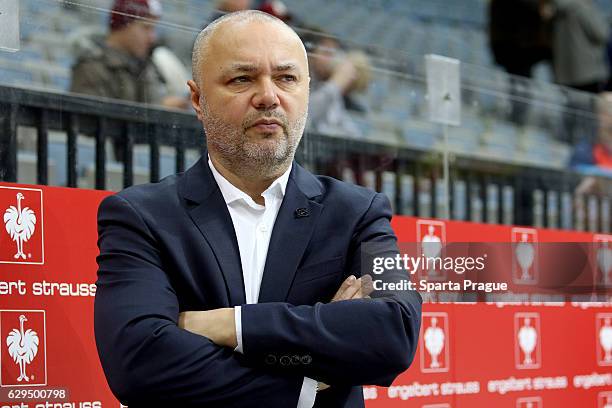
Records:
x=238, y=320
x=308, y=393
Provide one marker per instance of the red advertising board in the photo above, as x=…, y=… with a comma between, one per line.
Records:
x=497, y=354
x=53, y=289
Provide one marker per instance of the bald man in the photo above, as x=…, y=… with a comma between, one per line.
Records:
x=242, y=282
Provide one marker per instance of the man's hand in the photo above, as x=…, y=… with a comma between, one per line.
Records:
x=344, y=75
x=353, y=288
x=218, y=325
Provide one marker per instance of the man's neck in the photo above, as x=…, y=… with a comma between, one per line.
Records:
x=253, y=186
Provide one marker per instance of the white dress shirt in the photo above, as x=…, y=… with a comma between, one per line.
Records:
x=253, y=224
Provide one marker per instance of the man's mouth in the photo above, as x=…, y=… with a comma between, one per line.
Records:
x=267, y=125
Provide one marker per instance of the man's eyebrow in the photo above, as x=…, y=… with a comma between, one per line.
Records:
x=286, y=67
x=250, y=68
x=240, y=68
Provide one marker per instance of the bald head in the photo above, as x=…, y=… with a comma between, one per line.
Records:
x=223, y=24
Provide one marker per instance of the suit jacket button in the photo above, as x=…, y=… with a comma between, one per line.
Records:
x=295, y=360
x=270, y=359
x=285, y=360
x=306, y=359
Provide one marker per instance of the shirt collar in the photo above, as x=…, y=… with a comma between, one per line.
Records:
x=232, y=193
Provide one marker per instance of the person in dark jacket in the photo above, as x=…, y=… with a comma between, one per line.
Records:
x=192, y=311
x=519, y=40
x=518, y=35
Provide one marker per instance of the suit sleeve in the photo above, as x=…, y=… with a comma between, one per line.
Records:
x=355, y=342
x=146, y=357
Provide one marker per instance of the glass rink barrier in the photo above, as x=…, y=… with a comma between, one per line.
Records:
x=480, y=168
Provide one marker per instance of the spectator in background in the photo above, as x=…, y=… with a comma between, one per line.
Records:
x=518, y=35
x=580, y=35
x=119, y=64
x=275, y=8
x=519, y=40
x=279, y=10
x=599, y=154
x=609, y=54
x=228, y=6
x=334, y=75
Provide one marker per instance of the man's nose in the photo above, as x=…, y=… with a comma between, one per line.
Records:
x=265, y=97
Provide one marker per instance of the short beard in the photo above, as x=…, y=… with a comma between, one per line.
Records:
x=248, y=159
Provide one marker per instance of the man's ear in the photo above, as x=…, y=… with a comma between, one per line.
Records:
x=195, y=98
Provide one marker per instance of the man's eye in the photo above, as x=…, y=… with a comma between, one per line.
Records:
x=240, y=80
x=289, y=78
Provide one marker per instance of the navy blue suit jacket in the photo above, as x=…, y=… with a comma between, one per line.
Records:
x=170, y=247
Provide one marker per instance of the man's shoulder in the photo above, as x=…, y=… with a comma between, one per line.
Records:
x=342, y=189
x=347, y=197
x=162, y=195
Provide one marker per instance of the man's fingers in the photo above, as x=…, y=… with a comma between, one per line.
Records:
x=345, y=285
x=367, y=286
x=322, y=386
x=353, y=288
x=353, y=291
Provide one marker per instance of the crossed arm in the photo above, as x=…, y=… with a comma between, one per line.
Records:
x=219, y=326
x=149, y=359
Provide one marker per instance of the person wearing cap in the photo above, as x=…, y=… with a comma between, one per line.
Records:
x=119, y=65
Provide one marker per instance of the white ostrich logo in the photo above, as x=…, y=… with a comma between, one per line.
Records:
x=20, y=225
x=22, y=347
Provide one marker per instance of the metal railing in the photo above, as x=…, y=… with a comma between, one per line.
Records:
x=481, y=190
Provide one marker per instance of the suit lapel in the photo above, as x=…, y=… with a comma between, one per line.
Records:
x=290, y=236
x=209, y=212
